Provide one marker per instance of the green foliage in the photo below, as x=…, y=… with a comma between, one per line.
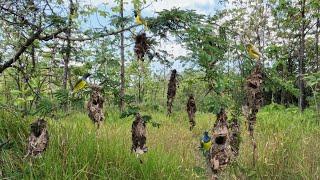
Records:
x=219, y=65
x=282, y=141
x=148, y=119
x=5, y=145
x=62, y=96
x=174, y=21
x=45, y=107
x=313, y=79
x=217, y=102
x=131, y=111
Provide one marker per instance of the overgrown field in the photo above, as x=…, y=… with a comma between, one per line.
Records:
x=288, y=148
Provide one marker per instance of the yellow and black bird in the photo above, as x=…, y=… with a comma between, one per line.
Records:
x=253, y=51
x=205, y=143
x=139, y=20
x=81, y=83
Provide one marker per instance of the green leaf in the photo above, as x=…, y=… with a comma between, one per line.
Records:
x=15, y=92
x=29, y=98
x=19, y=101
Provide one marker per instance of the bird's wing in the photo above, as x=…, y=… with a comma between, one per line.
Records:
x=139, y=20
x=255, y=51
x=201, y=143
x=253, y=55
x=79, y=85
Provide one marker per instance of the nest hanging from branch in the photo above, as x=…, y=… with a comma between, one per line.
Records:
x=95, y=105
x=234, y=129
x=38, y=138
x=172, y=89
x=254, y=101
x=191, y=109
x=142, y=46
x=220, y=151
x=254, y=95
x=138, y=135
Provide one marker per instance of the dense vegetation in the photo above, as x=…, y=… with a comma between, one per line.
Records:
x=287, y=148
x=47, y=46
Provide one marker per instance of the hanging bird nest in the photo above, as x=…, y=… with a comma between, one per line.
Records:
x=172, y=88
x=234, y=129
x=39, y=138
x=254, y=102
x=139, y=135
x=191, y=109
x=142, y=45
x=254, y=95
x=95, y=105
x=220, y=151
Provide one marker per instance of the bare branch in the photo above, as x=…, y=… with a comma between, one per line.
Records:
x=100, y=36
x=21, y=17
x=53, y=35
x=21, y=50
x=29, y=41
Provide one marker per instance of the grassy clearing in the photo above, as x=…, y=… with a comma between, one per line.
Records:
x=288, y=145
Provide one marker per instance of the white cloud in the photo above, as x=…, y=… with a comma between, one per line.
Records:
x=173, y=48
x=168, y=4
x=201, y=6
x=93, y=2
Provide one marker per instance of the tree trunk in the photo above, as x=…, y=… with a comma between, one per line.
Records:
x=302, y=97
x=139, y=88
x=317, y=44
x=33, y=58
x=164, y=85
x=68, y=48
x=66, y=70
x=317, y=54
x=53, y=53
x=122, y=81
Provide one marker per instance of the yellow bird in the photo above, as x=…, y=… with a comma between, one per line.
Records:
x=81, y=83
x=205, y=143
x=139, y=20
x=253, y=51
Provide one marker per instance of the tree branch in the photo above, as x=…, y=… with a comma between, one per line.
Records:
x=29, y=41
x=21, y=50
x=21, y=17
x=100, y=35
x=53, y=35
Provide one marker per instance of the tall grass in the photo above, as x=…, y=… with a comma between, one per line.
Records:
x=287, y=148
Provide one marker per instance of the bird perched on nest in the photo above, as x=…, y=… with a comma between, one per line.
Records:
x=139, y=20
x=205, y=143
x=81, y=83
x=253, y=51
x=39, y=138
x=139, y=136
